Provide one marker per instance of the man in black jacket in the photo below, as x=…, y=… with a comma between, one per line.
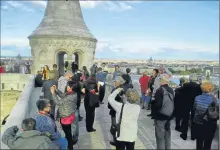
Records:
x=162, y=121
x=150, y=85
x=189, y=91
x=119, y=83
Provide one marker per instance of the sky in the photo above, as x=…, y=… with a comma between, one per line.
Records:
x=177, y=30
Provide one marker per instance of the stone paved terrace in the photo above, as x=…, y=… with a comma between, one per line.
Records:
x=26, y=107
x=146, y=139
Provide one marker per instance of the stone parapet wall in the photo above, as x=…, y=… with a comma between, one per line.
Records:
x=13, y=81
x=20, y=109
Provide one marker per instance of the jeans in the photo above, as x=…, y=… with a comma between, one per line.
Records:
x=163, y=134
x=62, y=143
x=75, y=127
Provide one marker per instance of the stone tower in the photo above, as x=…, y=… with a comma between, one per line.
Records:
x=62, y=31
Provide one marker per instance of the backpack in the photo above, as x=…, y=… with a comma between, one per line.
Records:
x=168, y=103
x=212, y=113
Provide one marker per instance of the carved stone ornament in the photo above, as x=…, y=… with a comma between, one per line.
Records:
x=65, y=42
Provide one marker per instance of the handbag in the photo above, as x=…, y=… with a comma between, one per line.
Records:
x=212, y=112
x=93, y=100
x=118, y=126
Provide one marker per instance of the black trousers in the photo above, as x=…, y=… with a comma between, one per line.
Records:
x=185, y=124
x=90, y=116
x=101, y=93
x=204, y=134
x=68, y=134
x=125, y=145
x=179, y=119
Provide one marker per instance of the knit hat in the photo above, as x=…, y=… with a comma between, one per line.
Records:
x=193, y=77
x=120, y=80
x=164, y=79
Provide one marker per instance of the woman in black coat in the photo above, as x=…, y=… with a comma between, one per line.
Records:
x=91, y=95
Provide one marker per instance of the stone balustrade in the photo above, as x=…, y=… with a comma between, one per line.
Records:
x=21, y=109
x=13, y=81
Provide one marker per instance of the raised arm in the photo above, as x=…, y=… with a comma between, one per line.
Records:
x=55, y=99
x=8, y=137
x=111, y=99
x=59, y=93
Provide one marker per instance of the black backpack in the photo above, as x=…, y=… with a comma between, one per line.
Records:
x=212, y=113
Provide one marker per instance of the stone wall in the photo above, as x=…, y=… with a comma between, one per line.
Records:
x=13, y=81
x=21, y=108
x=8, y=100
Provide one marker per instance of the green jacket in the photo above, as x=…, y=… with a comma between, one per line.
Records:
x=27, y=140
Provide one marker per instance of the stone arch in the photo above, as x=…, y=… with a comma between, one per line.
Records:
x=59, y=59
x=78, y=57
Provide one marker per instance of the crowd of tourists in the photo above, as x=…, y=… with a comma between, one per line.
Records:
x=61, y=102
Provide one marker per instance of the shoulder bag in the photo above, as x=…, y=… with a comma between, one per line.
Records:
x=118, y=126
x=212, y=113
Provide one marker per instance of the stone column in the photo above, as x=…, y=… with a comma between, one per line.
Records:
x=70, y=60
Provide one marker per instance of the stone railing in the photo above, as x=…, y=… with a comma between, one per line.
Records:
x=21, y=108
x=13, y=81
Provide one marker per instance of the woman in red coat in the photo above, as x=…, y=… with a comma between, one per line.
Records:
x=144, y=86
x=2, y=69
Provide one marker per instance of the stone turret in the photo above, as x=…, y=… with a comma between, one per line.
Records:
x=62, y=31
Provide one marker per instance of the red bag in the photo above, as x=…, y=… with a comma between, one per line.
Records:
x=68, y=120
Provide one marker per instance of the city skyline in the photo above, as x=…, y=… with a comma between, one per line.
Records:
x=176, y=30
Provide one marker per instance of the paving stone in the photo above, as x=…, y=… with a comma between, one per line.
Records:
x=93, y=146
x=146, y=133
x=88, y=139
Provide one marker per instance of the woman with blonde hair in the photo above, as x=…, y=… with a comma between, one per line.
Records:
x=127, y=114
x=46, y=72
x=204, y=129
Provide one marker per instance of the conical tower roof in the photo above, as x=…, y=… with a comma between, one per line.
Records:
x=63, y=18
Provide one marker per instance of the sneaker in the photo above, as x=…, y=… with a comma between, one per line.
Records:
x=112, y=143
x=93, y=130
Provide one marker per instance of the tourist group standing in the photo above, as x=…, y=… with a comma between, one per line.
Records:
x=61, y=99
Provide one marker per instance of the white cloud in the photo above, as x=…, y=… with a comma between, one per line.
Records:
x=18, y=5
x=125, y=6
x=39, y=3
x=90, y=4
x=4, y=7
x=87, y=4
x=18, y=42
x=150, y=46
x=8, y=53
